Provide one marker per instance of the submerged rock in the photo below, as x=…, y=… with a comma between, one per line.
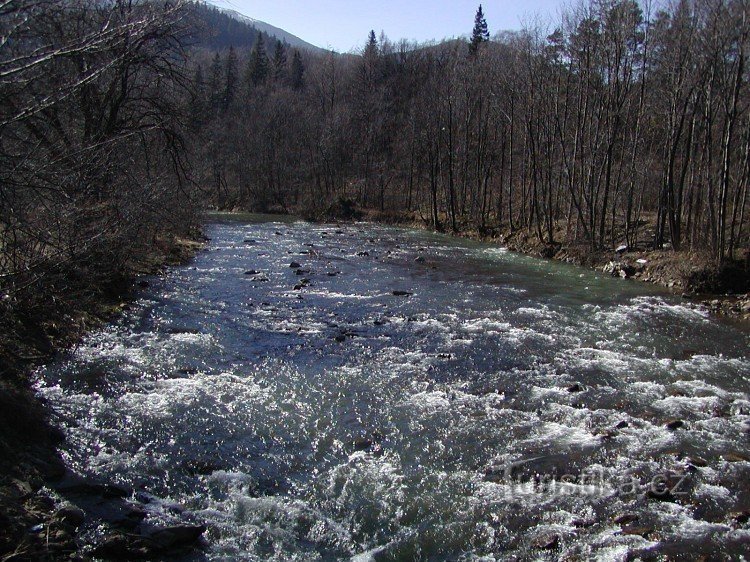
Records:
x=546, y=542
x=295, y=265
x=159, y=542
x=637, y=530
x=74, y=484
x=625, y=518
x=176, y=537
x=674, y=424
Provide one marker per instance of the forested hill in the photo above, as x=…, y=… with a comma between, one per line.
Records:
x=219, y=29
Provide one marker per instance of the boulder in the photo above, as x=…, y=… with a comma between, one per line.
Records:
x=70, y=516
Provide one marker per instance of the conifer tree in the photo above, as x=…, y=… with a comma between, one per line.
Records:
x=216, y=81
x=258, y=70
x=230, y=79
x=370, y=62
x=480, y=33
x=297, y=73
x=279, y=61
x=371, y=49
x=198, y=99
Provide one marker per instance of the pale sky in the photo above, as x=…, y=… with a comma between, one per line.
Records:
x=343, y=25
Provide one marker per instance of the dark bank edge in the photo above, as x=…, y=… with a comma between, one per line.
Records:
x=32, y=526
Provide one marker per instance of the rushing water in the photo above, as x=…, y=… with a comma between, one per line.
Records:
x=510, y=408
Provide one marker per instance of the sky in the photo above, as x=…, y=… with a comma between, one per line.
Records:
x=343, y=25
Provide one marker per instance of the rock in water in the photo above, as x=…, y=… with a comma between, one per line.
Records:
x=70, y=515
x=547, y=542
x=174, y=538
x=675, y=424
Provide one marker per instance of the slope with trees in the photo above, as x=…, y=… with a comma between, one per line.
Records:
x=614, y=128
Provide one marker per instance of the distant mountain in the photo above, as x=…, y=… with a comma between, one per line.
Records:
x=271, y=31
x=216, y=30
x=224, y=27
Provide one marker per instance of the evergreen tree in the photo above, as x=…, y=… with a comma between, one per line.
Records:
x=258, y=70
x=230, y=79
x=480, y=34
x=370, y=62
x=279, y=61
x=216, y=81
x=371, y=49
x=297, y=77
x=198, y=99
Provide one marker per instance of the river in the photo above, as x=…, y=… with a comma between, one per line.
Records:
x=506, y=407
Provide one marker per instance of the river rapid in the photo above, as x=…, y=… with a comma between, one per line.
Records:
x=506, y=408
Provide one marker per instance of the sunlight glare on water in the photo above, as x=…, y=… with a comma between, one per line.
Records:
x=308, y=413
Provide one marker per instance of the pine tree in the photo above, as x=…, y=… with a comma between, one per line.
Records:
x=279, y=61
x=258, y=70
x=371, y=49
x=216, y=81
x=480, y=34
x=370, y=61
x=230, y=79
x=297, y=77
x=198, y=99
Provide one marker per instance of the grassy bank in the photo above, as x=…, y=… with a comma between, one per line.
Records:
x=32, y=335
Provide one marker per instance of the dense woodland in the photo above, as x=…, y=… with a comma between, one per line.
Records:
x=94, y=171
x=623, y=123
x=620, y=124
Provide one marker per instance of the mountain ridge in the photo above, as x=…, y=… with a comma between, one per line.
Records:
x=270, y=30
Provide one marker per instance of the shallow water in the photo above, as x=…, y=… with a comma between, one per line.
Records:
x=476, y=418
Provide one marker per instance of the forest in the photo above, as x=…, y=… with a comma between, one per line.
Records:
x=617, y=126
x=623, y=124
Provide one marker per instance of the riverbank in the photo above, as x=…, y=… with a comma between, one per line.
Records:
x=32, y=526
x=724, y=291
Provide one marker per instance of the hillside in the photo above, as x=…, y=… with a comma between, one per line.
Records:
x=220, y=28
x=270, y=30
